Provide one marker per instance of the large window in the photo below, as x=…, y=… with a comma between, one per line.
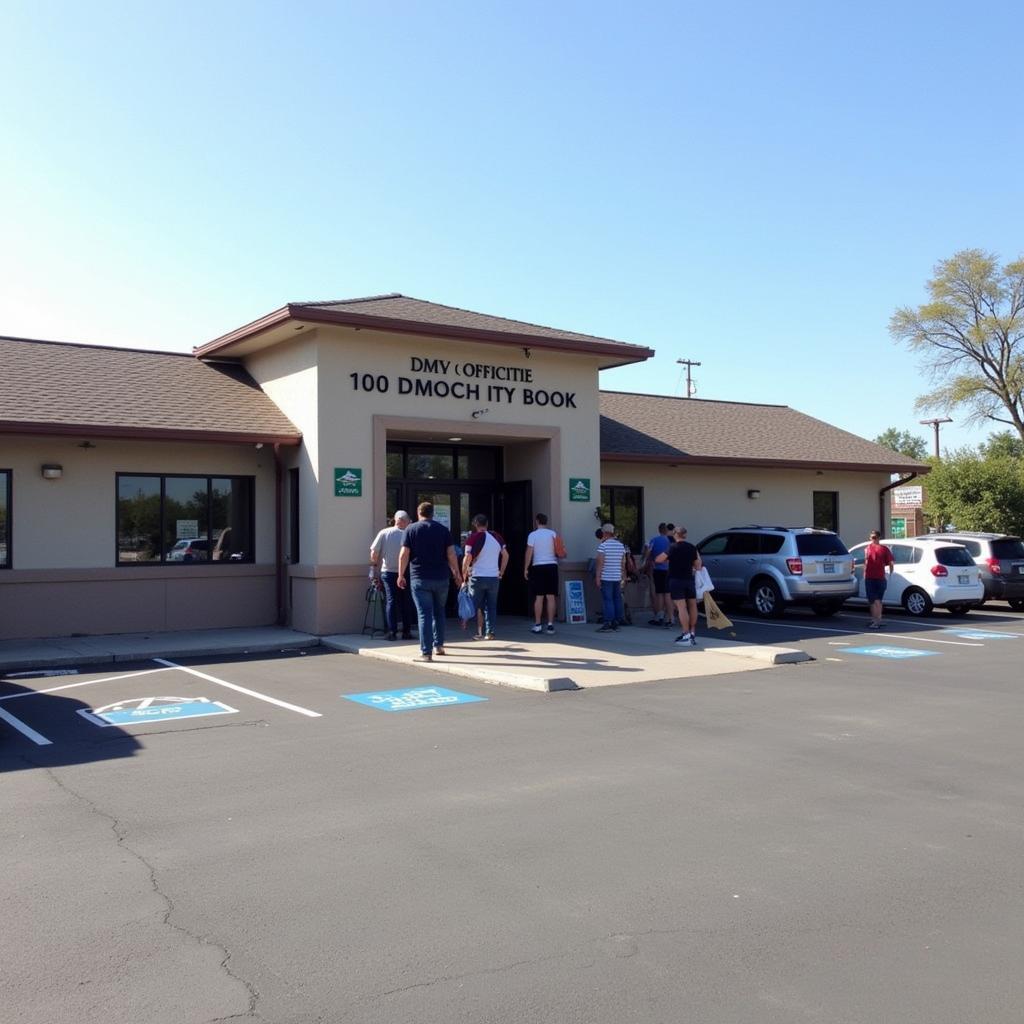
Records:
x=176, y=519
x=5, y=519
x=826, y=510
x=624, y=507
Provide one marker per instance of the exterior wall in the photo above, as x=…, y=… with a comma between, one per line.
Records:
x=544, y=444
x=709, y=498
x=65, y=578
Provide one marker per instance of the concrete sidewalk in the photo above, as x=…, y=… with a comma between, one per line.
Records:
x=575, y=657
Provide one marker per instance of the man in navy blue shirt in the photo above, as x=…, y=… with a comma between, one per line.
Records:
x=428, y=555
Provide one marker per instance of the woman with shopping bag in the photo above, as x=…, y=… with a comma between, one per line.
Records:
x=683, y=562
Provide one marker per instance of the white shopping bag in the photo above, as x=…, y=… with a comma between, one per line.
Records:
x=702, y=581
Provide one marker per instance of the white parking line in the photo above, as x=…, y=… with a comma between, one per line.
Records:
x=240, y=689
x=87, y=682
x=891, y=636
x=18, y=724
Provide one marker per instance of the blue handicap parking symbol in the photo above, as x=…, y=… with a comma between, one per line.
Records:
x=155, y=709
x=411, y=700
x=981, y=634
x=889, y=652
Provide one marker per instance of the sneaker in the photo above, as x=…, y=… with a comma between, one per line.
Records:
x=489, y=636
x=615, y=628
x=425, y=657
x=684, y=639
x=551, y=628
x=440, y=650
x=392, y=636
x=605, y=628
x=873, y=625
x=656, y=622
x=537, y=628
x=693, y=640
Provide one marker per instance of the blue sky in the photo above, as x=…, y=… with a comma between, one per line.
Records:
x=755, y=186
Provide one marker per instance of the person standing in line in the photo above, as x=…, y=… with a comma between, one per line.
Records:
x=385, y=552
x=609, y=572
x=484, y=565
x=428, y=557
x=877, y=561
x=540, y=570
x=662, y=602
x=683, y=560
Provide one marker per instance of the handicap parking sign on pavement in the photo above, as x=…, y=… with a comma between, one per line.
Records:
x=981, y=634
x=411, y=700
x=889, y=652
x=155, y=709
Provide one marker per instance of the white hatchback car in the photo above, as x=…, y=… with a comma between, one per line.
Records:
x=926, y=574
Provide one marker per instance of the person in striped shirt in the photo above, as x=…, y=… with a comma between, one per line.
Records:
x=609, y=572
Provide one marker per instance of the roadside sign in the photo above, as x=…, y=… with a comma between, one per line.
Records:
x=579, y=488
x=575, y=603
x=890, y=652
x=155, y=709
x=186, y=529
x=348, y=482
x=412, y=700
x=908, y=497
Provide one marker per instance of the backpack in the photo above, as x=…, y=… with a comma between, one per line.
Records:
x=560, y=551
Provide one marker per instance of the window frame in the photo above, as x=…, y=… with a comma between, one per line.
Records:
x=834, y=528
x=609, y=506
x=8, y=537
x=163, y=562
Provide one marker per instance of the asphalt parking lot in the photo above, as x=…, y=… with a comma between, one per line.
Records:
x=837, y=841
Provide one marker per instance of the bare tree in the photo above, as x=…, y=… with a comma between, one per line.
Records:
x=971, y=334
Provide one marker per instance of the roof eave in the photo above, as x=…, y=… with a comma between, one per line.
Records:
x=90, y=430
x=623, y=353
x=710, y=460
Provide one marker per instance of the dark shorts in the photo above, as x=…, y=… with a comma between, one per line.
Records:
x=874, y=590
x=681, y=590
x=543, y=580
x=660, y=577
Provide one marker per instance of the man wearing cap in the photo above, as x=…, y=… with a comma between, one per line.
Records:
x=609, y=571
x=384, y=554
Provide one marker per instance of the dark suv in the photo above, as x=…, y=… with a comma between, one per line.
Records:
x=773, y=566
x=1000, y=558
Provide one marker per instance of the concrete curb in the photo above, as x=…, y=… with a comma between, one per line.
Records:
x=539, y=684
x=763, y=652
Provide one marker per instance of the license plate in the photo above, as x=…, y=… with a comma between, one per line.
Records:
x=963, y=580
x=828, y=566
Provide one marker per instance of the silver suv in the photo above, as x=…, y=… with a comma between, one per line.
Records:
x=1000, y=559
x=773, y=566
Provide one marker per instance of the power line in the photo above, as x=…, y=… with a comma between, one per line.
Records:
x=691, y=389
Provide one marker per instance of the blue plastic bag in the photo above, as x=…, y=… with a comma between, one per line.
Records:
x=467, y=606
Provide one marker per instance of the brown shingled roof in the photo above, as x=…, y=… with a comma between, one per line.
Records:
x=404, y=315
x=659, y=428
x=58, y=388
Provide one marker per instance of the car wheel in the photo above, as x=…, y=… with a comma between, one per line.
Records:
x=917, y=602
x=826, y=609
x=1016, y=604
x=958, y=609
x=766, y=599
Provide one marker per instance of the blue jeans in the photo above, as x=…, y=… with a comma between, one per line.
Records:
x=611, y=602
x=397, y=604
x=484, y=591
x=430, y=597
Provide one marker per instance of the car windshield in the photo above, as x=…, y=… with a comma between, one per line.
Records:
x=953, y=556
x=1008, y=547
x=819, y=544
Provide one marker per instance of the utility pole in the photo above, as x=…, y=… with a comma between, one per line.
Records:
x=935, y=423
x=688, y=363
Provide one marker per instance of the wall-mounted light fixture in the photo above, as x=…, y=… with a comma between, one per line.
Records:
x=753, y=494
x=51, y=471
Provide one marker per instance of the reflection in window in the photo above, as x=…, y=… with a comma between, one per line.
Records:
x=184, y=519
x=5, y=519
x=426, y=464
x=826, y=510
x=624, y=506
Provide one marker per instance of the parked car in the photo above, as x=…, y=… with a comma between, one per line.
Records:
x=927, y=574
x=189, y=551
x=775, y=566
x=1000, y=560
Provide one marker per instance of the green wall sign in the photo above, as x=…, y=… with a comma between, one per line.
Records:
x=348, y=482
x=579, y=488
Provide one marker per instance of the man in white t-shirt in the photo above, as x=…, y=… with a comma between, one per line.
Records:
x=384, y=554
x=609, y=572
x=541, y=572
x=483, y=565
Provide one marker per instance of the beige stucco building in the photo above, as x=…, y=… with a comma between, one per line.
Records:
x=241, y=485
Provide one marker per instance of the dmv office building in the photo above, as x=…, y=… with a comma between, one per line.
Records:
x=242, y=484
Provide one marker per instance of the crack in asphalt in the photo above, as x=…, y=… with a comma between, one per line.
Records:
x=121, y=833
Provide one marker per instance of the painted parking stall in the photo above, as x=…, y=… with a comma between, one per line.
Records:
x=415, y=699
x=146, y=710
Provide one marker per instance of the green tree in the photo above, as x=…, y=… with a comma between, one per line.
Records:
x=973, y=492
x=904, y=442
x=1005, y=442
x=971, y=335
